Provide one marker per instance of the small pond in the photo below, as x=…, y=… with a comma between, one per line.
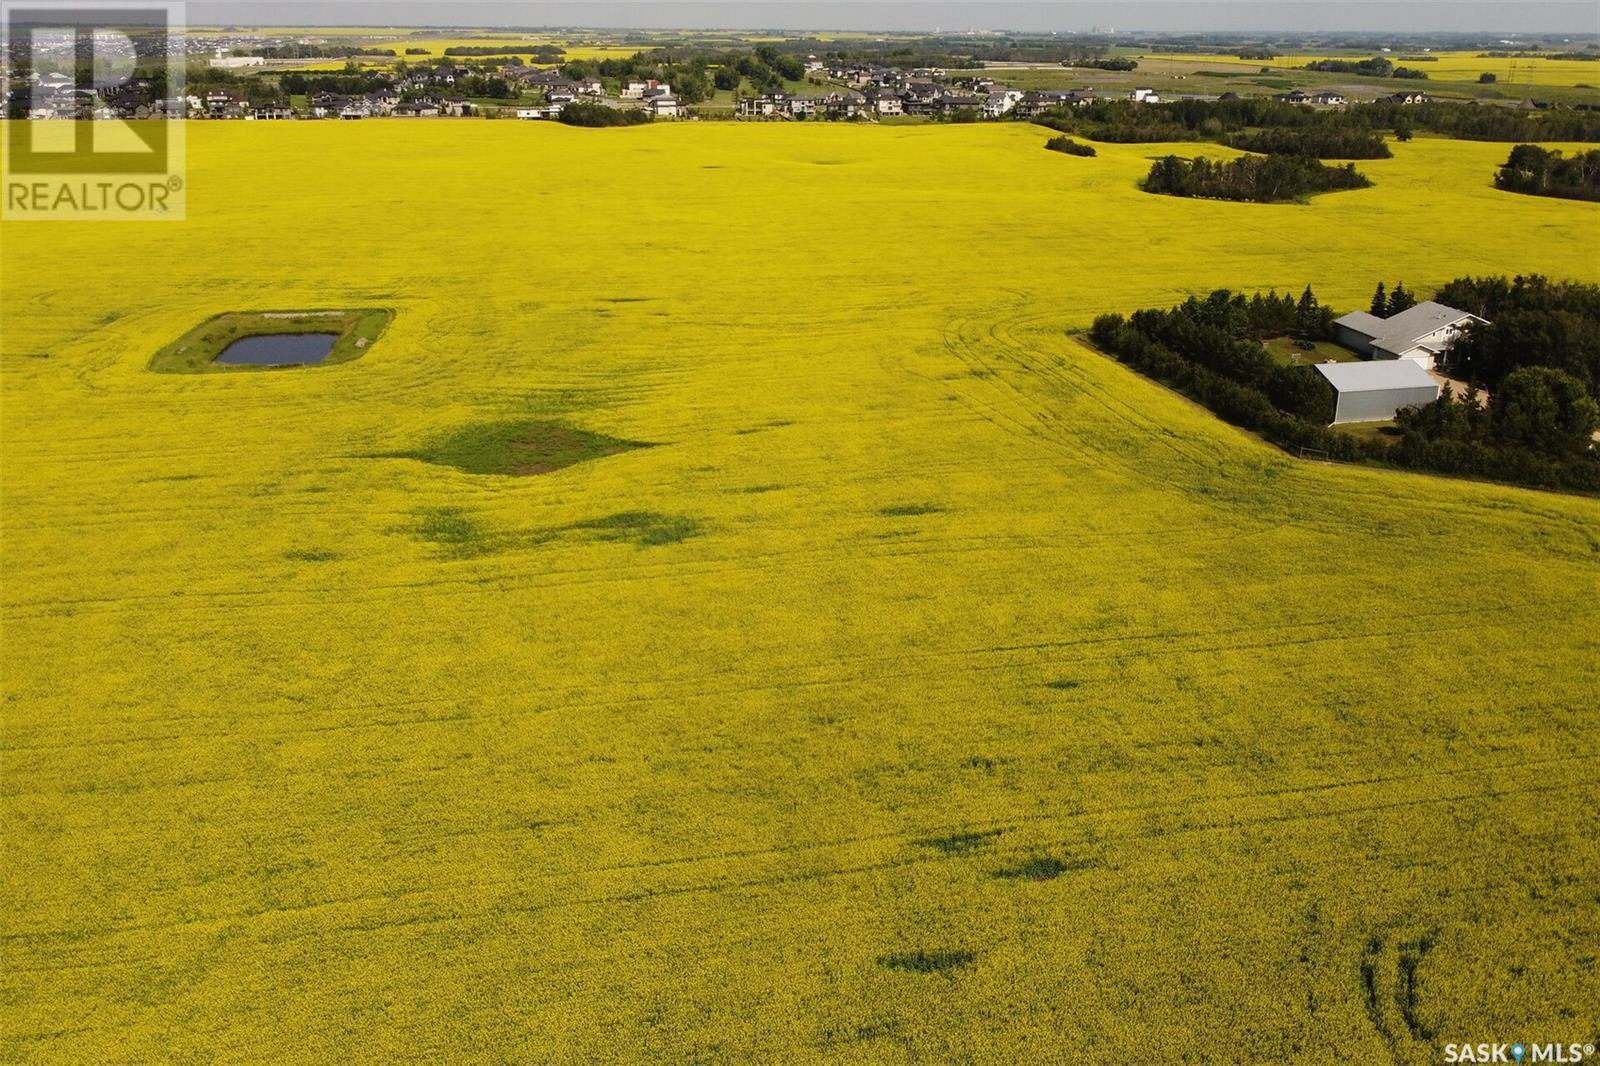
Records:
x=279, y=349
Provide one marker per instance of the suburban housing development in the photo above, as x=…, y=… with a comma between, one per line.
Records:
x=840, y=90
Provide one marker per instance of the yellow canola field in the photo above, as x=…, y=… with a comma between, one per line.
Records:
x=436, y=46
x=1446, y=66
x=982, y=702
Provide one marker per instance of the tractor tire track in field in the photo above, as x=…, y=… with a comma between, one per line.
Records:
x=538, y=572
x=540, y=576
x=907, y=664
x=445, y=910
x=1000, y=332
x=979, y=660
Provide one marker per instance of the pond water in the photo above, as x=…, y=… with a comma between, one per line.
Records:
x=279, y=349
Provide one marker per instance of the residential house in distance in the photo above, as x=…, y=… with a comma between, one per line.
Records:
x=846, y=103
x=1375, y=391
x=548, y=111
x=921, y=97
x=950, y=103
x=416, y=109
x=328, y=105
x=1033, y=104
x=776, y=104
x=1422, y=334
x=636, y=90
x=881, y=101
x=1322, y=99
x=1410, y=96
x=536, y=77
x=213, y=104
x=382, y=101
x=1145, y=96
x=767, y=105
x=663, y=106
x=1000, y=100
x=218, y=104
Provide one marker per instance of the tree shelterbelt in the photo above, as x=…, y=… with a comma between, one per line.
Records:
x=1256, y=178
x=1128, y=122
x=1531, y=321
x=1549, y=172
x=1536, y=430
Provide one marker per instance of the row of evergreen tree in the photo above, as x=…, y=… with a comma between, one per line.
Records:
x=1388, y=305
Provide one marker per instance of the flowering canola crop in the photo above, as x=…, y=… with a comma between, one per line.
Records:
x=888, y=676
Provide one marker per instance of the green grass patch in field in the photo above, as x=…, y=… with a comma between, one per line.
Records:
x=909, y=510
x=357, y=330
x=456, y=534
x=941, y=960
x=519, y=448
x=645, y=528
x=1043, y=868
x=310, y=555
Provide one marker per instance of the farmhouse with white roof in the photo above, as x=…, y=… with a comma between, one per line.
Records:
x=1422, y=333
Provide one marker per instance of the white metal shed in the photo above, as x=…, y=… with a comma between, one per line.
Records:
x=1374, y=391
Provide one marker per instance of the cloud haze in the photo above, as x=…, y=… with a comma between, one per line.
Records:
x=1525, y=16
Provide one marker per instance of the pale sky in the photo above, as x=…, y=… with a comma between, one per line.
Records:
x=1521, y=16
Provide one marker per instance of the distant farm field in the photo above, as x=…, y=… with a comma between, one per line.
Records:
x=1443, y=66
x=434, y=48
x=848, y=665
x=437, y=46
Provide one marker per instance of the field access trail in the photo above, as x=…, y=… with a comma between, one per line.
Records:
x=932, y=689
